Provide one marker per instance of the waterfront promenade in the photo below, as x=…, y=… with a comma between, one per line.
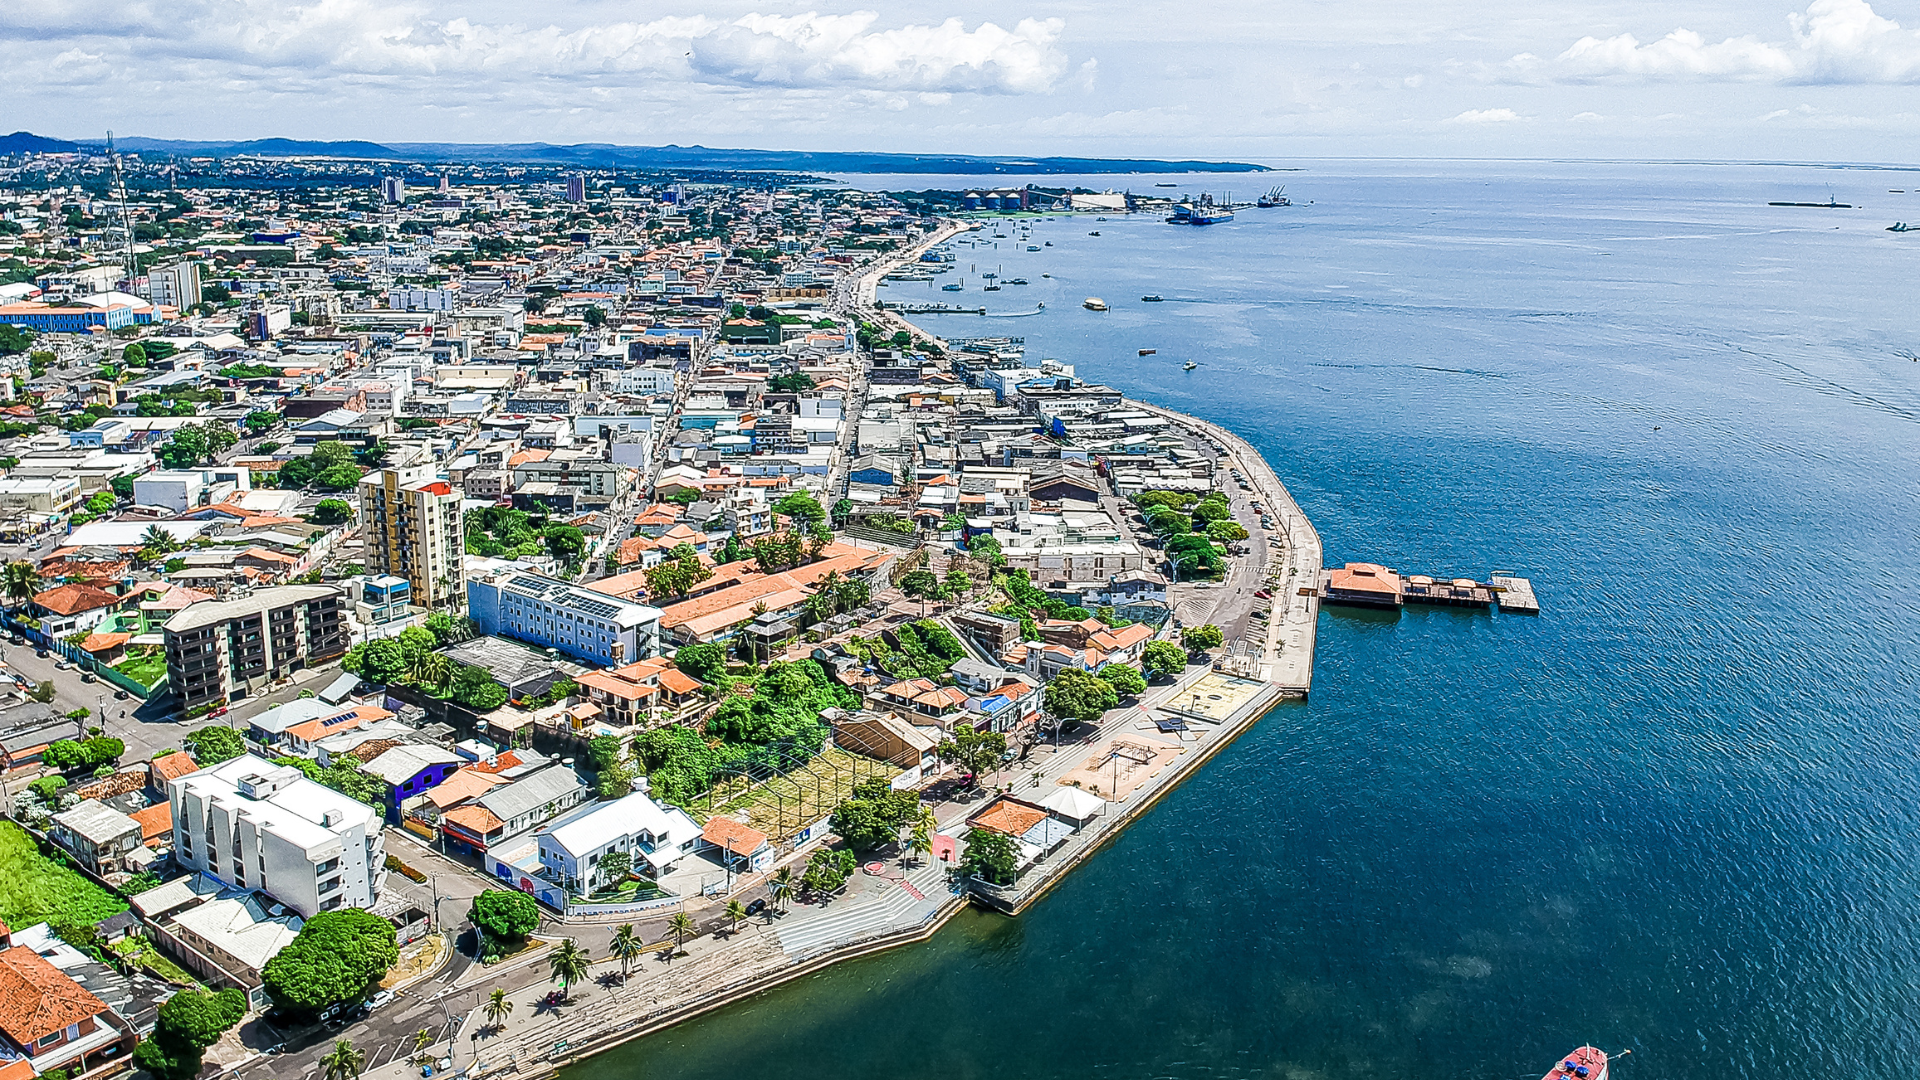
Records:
x=908, y=902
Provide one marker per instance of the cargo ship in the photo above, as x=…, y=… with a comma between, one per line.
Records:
x=1586, y=1063
x=1276, y=197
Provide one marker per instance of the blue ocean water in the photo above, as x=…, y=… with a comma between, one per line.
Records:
x=1677, y=812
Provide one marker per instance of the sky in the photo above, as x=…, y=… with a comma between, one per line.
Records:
x=1250, y=80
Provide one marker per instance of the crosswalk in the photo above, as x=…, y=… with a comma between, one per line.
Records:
x=906, y=904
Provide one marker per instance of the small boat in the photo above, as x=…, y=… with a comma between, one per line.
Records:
x=1151, y=298
x=1901, y=226
x=951, y=287
x=1586, y=1063
x=1166, y=185
x=1033, y=247
x=1017, y=281
x=1148, y=352
x=1095, y=232
x=991, y=288
x=1189, y=365
x=1099, y=219
x=1094, y=303
x=1046, y=275
x=1049, y=243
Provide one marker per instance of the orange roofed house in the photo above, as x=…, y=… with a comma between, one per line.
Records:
x=1364, y=585
x=51, y=1021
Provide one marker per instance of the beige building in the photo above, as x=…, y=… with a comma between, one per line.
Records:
x=51, y=495
x=410, y=527
x=220, y=650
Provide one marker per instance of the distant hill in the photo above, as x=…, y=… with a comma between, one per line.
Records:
x=677, y=157
x=26, y=142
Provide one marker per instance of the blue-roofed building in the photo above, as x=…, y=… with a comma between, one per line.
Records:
x=550, y=613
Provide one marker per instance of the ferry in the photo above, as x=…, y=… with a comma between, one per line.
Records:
x=1094, y=303
x=1586, y=1063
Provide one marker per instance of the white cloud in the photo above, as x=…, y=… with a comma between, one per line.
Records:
x=1833, y=41
x=1485, y=116
x=340, y=38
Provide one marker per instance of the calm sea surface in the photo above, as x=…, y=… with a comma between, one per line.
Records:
x=1678, y=812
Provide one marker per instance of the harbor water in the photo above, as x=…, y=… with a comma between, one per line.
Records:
x=1678, y=812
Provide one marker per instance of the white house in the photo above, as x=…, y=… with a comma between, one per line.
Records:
x=653, y=837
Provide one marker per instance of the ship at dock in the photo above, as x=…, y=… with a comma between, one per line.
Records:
x=1204, y=212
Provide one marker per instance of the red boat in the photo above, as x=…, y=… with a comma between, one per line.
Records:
x=1586, y=1063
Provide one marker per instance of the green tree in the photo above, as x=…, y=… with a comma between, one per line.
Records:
x=1079, y=695
x=188, y=447
x=565, y=541
x=503, y=919
x=1125, y=681
x=568, y=965
x=336, y=956
x=596, y=317
x=1201, y=638
x=990, y=856
x=874, y=814
x=134, y=355
x=782, y=890
x=614, y=867
x=343, y=1062
x=984, y=546
x=1226, y=530
x=676, y=576
x=383, y=661
x=921, y=585
x=736, y=914
x=188, y=1023
x=957, y=582
x=801, y=507
x=627, y=948
x=973, y=750
x=332, y=512
x=1164, y=657
x=213, y=745
x=498, y=1008
x=705, y=661
x=475, y=688
x=260, y=421
x=827, y=871
x=921, y=841
x=42, y=693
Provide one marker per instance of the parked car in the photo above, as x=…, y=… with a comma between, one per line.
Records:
x=757, y=907
x=64, y=665
x=40, y=651
x=88, y=676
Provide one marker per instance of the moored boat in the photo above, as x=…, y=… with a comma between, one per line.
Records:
x=1148, y=352
x=1586, y=1063
x=1094, y=303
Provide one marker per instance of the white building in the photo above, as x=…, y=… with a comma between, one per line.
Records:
x=550, y=613
x=255, y=825
x=175, y=285
x=653, y=837
x=183, y=490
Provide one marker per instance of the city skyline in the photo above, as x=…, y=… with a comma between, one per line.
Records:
x=1830, y=80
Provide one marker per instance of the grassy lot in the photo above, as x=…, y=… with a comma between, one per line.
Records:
x=145, y=955
x=145, y=670
x=783, y=805
x=35, y=889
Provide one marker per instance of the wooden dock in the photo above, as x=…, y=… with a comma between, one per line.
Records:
x=1516, y=595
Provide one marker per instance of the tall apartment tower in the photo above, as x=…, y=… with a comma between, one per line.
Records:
x=445, y=187
x=393, y=190
x=175, y=285
x=218, y=650
x=576, y=187
x=410, y=528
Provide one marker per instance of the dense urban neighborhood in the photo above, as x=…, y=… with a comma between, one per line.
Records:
x=457, y=618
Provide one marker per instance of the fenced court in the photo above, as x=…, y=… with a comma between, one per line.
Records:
x=786, y=792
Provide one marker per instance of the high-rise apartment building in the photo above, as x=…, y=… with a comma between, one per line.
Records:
x=393, y=189
x=576, y=187
x=175, y=285
x=410, y=528
x=256, y=825
x=219, y=650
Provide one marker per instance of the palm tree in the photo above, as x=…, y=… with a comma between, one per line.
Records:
x=22, y=581
x=736, y=913
x=498, y=1008
x=343, y=1062
x=681, y=924
x=921, y=842
x=568, y=964
x=626, y=947
x=783, y=886
x=432, y=669
x=422, y=1039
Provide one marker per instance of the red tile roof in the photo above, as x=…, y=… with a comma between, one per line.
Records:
x=155, y=821
x=737, y=838
x=73, y=599
x=172, y=766
x=37, y=999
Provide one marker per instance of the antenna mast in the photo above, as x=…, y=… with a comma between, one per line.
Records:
x=126, y=216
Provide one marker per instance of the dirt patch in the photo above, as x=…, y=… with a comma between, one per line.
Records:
x=1121, y=765
x=416, y=960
